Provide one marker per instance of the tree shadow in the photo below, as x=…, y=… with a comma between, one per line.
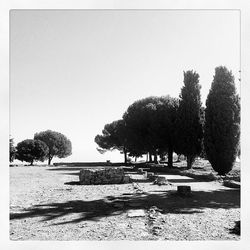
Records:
x=140, y=180
x=68, y=173
x=184, y=180
x=72, y=183
x=65, y=169
x=168, y=202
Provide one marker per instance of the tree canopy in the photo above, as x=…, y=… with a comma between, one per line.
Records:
x=31, y=150
x=139, y=119
x=113, y=137
x=147, y=127
x=222, y=122
x=59, y=145
x=150, y=123
x=12, y=150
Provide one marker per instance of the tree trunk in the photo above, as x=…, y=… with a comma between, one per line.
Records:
x=125, y=156
x=150, y=157
x=155, y=158
x=190, y=160
x=50, y=158
x=31, y=163
x=170, y=157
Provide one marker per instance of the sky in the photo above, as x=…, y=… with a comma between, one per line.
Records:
x=75, y=71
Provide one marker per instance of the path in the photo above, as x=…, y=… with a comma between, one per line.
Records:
x=195, y=184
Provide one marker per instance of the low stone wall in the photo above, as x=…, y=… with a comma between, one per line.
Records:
x=97, y=176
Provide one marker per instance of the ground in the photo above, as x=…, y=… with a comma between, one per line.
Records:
x=47, y=203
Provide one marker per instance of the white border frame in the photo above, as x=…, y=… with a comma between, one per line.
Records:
x=7, y=5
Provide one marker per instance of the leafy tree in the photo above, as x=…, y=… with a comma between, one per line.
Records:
x=140, y=120
x=59, y=145
x=31, y=150
x=113, y=137
x=12, y=149
x=167, y=114
x=189, y=122
x=222, y=122
x=150, y=125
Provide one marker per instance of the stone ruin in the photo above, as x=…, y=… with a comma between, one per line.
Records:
x=99, y=176
x=184, y=190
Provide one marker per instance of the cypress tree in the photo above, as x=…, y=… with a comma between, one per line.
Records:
x=189, y=123
x=222, y=122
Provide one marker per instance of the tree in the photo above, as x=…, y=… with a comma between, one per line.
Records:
x=59, y=145
x=189, y=122
x=167, y=108
x=222, y=122
x=150, y=125
x=31, y=150
x=12, y=149
x=113, y=137
x=140, y=119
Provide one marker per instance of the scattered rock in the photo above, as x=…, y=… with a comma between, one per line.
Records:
x=161, y=180
x=140, y=170
x=117, y=212
x=154, y=208
x=137, y=188
x=151, y=176
x=236, y=229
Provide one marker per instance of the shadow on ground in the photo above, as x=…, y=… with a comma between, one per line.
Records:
x=189, y=180
x=168, y=201
x=236, y=228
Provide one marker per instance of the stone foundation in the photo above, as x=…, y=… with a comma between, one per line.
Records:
x=97, y=176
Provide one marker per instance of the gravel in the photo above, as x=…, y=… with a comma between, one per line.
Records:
x=47, y=203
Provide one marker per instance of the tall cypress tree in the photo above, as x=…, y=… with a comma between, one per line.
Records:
x=222, y=122
x=189, y=123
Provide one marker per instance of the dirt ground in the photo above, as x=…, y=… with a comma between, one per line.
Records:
x=47, y=203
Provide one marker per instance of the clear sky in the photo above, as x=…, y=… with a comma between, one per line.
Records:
x=75, y=71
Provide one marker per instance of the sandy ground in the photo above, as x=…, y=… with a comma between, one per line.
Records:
x=47, y=203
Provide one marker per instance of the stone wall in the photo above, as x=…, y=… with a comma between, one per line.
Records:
x=97, y=176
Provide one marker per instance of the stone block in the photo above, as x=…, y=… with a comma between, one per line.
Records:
x=151, y=176
x=161, y=180
x=95, y=176
x=140, y=170
x=184, y=190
